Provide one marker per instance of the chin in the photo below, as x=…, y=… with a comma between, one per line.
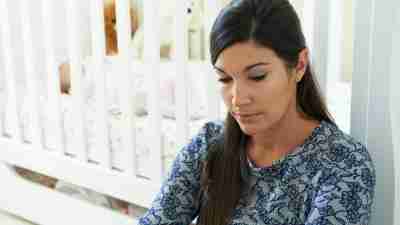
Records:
x=251, y=129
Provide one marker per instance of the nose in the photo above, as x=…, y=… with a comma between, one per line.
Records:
x=240, y=95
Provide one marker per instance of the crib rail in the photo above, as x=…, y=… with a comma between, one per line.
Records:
x=119, y=185
x=374, y=112
x=69, y=210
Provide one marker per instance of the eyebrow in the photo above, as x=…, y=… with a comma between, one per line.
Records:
x=247, y=68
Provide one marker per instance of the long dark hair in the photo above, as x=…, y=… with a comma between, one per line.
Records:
x=273, y=24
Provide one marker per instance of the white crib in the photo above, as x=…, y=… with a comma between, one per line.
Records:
x=134, y=168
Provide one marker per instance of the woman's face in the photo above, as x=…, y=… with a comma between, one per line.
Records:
x=257, y=88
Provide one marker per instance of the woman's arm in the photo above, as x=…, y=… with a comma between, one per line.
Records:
x=178, y=200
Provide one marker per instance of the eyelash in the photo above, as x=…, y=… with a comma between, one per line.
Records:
x=224, y=80
x=257, y=78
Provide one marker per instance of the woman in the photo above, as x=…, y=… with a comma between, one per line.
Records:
x=279, y=158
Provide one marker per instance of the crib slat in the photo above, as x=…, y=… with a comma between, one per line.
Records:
x=152, y=61
x=32, y=92
x=125, y=81
x=10, y=117
x=78, y=146
x=182, y=75
x=213, y=103
x=102, y=153
x=123, y=27
x=53, y=105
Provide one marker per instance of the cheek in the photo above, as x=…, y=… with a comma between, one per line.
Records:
x=275, y=97
x=284, y=99
x=226, y=95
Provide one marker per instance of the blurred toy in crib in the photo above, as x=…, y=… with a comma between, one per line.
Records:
x=167, y=31
x=110, y=19
x=195, y=31
x=99, y=199
x=36, y=177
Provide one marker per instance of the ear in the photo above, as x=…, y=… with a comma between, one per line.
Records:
x=302, y=64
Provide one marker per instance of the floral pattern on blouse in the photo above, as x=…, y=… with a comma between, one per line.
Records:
x=328, y=180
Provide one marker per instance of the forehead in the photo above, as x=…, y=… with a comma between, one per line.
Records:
x=243, y=54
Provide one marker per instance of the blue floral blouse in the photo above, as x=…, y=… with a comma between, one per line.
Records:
x=328, y=180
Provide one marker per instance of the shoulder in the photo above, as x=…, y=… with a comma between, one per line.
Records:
x=343, y=177
x=345, y=150
x=190, y=158
x=343, y=158
x=199, y=143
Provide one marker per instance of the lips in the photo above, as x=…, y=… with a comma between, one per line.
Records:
x=244, y=115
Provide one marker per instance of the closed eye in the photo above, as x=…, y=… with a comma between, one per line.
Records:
x=258, y=78
x=224, y=79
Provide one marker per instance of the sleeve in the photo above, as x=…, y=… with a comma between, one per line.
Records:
x=345, y=191
x=177, y=202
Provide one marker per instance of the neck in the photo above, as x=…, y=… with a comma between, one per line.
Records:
x=280, y=140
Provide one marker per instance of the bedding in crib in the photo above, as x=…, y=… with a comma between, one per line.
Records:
x=139, y=98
